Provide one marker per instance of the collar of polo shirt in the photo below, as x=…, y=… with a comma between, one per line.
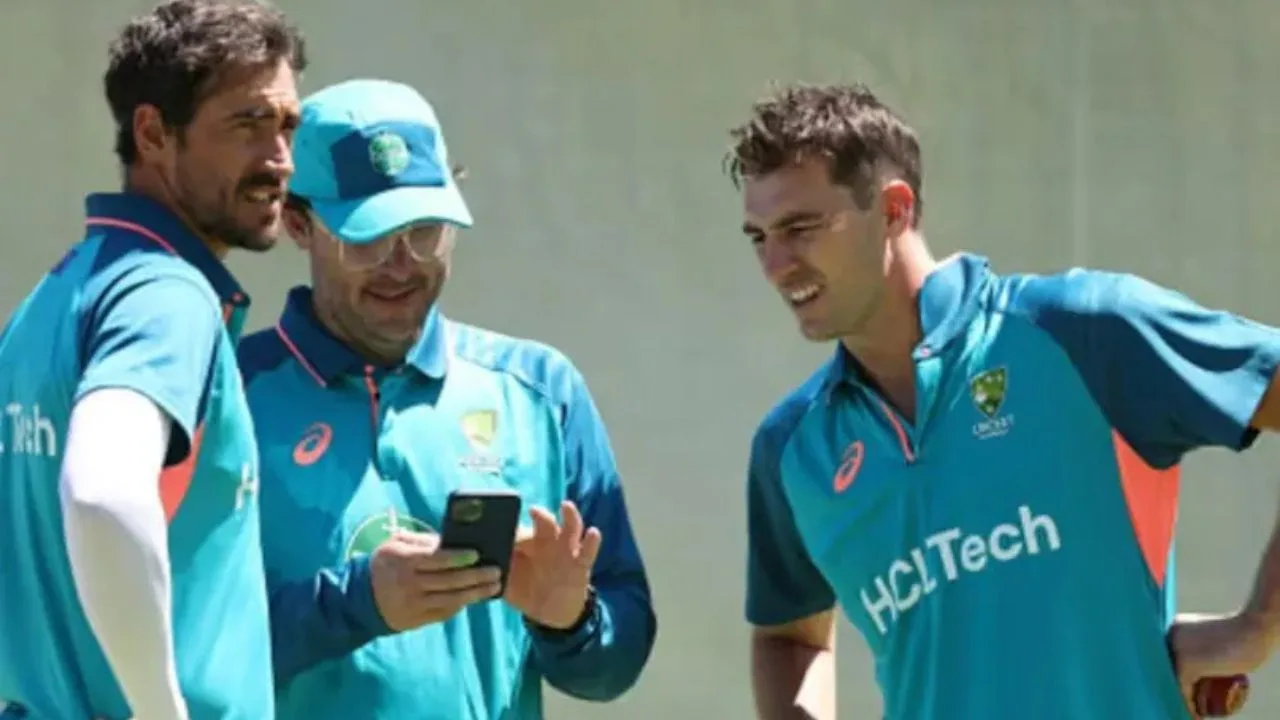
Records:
x=949, y=301
x=146, y=217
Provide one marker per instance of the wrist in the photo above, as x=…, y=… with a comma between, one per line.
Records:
x=585, y=611
x=1260, y=623
x=360, y=598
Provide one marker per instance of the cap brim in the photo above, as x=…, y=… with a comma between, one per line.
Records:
x=367, y=219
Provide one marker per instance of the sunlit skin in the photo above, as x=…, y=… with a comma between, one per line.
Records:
x=227, y=171
x=378, y=311
x=846, y=272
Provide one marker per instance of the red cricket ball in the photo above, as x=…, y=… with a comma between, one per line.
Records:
x=1221, y=696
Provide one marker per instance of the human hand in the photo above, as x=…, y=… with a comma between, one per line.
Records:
x=1214, y=647
x=551, y=568
x=416, y=583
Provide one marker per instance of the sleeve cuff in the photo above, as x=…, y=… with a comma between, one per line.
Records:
x=1264, y=367
x=560, y=643
x=361, y=606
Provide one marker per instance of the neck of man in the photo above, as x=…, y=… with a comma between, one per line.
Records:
x=885, y=346
x=150, y=184
x=381, y=357
x=374, y=354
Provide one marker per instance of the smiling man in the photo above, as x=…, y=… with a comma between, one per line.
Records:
x=132, y=573
x=984, y=474
x=371, y=407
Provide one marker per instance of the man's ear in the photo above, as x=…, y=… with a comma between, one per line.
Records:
x=298, y=224
x=899, y=203
x=150, y=135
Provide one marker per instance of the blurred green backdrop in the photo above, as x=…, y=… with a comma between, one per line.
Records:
x=1140, y=136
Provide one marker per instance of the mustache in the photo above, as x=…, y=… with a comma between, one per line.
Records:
x=264, y=180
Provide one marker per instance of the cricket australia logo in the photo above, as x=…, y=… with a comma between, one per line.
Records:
x=480, y=427
x=389, y=154
x=988, y=390
x=377, y=529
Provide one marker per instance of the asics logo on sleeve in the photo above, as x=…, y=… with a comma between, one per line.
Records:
x=946, y=556
x=849, y=467
x=313, y=445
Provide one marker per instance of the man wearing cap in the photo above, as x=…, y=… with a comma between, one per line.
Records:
x=371, y=407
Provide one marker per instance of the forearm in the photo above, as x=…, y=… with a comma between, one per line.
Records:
x=792, y=681
x=604, y=657
x=120, y=564
x=1264, y=601
x=117, y=541
x=328, y=616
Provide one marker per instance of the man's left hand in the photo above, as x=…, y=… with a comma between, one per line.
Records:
x=1206, y=646
x=551, y=568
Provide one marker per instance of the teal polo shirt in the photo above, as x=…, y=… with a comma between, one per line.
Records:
x=1008, y=551
x=139, y=303
x=352, y=452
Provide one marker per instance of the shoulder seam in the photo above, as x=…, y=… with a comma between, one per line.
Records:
x=250, y=370
x=176, y=269
x=542, y=386
x=786, y=416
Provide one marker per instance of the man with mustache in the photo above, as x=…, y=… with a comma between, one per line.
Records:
x=984, y=475
x=133, y=583
x=371, y=407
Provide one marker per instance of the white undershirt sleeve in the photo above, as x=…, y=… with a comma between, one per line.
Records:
x=117, y=539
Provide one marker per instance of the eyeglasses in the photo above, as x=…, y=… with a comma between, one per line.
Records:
x=423, y=242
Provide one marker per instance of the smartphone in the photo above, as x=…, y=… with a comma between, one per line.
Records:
x=485, y=521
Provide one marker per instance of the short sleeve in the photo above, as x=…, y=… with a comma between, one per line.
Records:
x=1171, y=376
x=783, y=584
x=157, y=336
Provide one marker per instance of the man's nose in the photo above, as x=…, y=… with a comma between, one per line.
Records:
x=400, y=264
x=776, y=259
x=279, y=155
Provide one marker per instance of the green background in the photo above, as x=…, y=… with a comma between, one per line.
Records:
x=1139, y=135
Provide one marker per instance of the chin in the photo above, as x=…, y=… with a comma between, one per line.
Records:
x=263, y=243
x=818, y=334
x=257, y=241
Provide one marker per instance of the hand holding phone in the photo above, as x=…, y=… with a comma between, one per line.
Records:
x=416, y=582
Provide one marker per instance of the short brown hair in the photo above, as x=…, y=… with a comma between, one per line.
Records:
x=175, y=55
x=846, y=125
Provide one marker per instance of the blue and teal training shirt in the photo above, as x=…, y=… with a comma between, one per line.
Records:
x=140, y=303
x=1010, y=553
x=351, y=453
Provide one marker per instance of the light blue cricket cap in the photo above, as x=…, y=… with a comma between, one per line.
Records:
x=370, y=157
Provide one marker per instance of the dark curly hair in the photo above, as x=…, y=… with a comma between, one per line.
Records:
x=845, y=125
x=176, y=55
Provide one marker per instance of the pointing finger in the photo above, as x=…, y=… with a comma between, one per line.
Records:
x=524, y=534
x=441, y=560
x=572, y=527
x=430, y=584
x=590, y=548
x=545, y=527
x=425, y=541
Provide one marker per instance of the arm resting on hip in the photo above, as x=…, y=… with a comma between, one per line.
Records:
x=793, y=669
